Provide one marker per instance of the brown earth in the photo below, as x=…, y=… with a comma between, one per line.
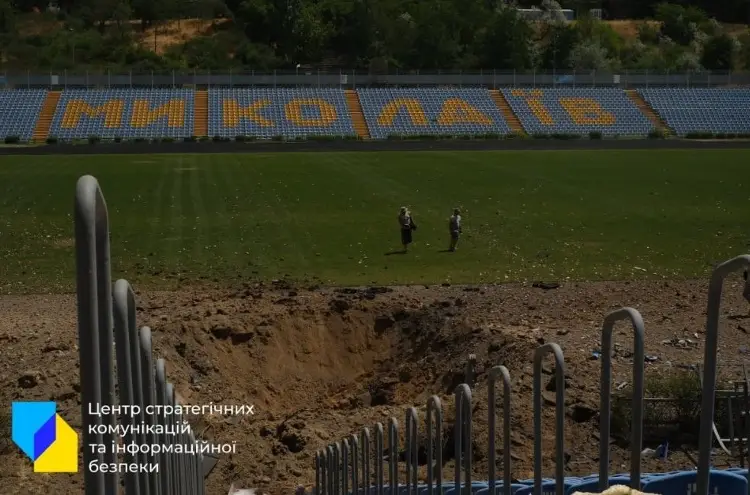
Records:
x=322, y=363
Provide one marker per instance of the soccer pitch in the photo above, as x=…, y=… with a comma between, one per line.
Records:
x=331, y=218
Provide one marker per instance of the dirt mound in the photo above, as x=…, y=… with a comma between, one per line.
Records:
x=321, y=364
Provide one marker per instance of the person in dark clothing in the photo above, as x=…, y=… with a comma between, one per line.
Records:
x=454, y=226
x=407, y=226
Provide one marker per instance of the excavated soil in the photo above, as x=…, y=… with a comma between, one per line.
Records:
x=318, y=364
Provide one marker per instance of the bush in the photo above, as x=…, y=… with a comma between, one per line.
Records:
x=656, y=134
x=117, y=139
x=540, y=135
x=595, y=135
x=167, y=140
x=52, y=140
x=204, y=139
x=140, y=140
x=190, y=139
x=12, y=139
x=278, y=137
x=239, y=139
x=94, y=139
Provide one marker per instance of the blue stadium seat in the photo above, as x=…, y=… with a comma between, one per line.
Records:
x=715, y=110
x=19, y=111
x=720, y=483
x=577, y=111
x=430, y=111
x=124, y=113
x=289, y=112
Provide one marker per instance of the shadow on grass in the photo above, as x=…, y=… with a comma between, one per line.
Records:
x=391, y=253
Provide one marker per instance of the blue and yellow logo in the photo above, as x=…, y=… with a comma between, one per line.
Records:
x=50, y=443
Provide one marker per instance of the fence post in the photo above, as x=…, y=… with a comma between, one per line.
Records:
x=499, y=371
x=605, y=409
x=715, y=287
x=434, y=448
x=462, y=438
x=161, y=399
x=124, y=320
x=355, y=463
x=149, y=399
x=393, y=455
x=95, y=328
x=541, y=351
x=379, y=481
x=412, y=451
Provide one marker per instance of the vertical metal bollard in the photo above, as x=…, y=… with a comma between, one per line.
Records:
x=345, y=466
x=366, y=480
x=412, y=451
x=124, y=314
x=539, y=354
x=715, y=288
x=495, y=372
x=435, y=444
x=462, y=437
x=140, y=399
x=161, y=399
x=393, y=455
x=95, y=323
x=605, y=408
x=149, y=396
x=355, y=463
x=318, y=473
x=337, y=468
x=379, y=477
x=194, y=473
x=174, y=475
x=331, y=470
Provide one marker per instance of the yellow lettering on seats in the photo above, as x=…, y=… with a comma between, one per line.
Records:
x=585, y=111
x=293, y=112
x=391, y=109
x=457, y=111
x=534, y=101
x=144, y=115
x=75, y=109
x=233, y=112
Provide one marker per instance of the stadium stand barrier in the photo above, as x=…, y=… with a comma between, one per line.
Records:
x=349, y=461
x=107, y=328
x=352, y=78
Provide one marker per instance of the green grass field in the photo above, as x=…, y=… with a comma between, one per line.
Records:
x=331, y=217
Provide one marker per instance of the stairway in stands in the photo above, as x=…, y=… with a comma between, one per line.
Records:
x=200, y=123
x=44, y=121
x=649, y=112
x=504, y=106
x=355, y=110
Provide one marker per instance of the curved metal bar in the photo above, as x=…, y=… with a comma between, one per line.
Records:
x=495, y=372
x=539, y=354
x=715, y=287
x=345, y=466
x=161, y=398
x=355, y=463
x=95, y=323
x=393, y=455
x=319, y=472
x=149, y=398
x=177, y=481
x=379, y=481
x=124, y=317
x=434, y=444
x=331, y=470
x=366, y=480
x=462, y=437
x=605, y=408
x=412, y=450
x=337, y=468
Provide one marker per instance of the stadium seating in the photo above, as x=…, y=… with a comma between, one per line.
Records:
x=577, y=111
x=289, y=112
x=124, y=113
x=19, y=109
x=433, y=111
x=713, y=110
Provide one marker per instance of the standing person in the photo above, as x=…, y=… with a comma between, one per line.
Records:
x=407, y=225
x=454, y=226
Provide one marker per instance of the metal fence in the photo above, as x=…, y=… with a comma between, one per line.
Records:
x=119, y=430
x=349, y=460
x=351, y=79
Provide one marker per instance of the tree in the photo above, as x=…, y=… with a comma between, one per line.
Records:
x=719, y=52
x=507, y=42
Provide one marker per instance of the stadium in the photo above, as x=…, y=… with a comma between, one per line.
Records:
x=227, y=243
